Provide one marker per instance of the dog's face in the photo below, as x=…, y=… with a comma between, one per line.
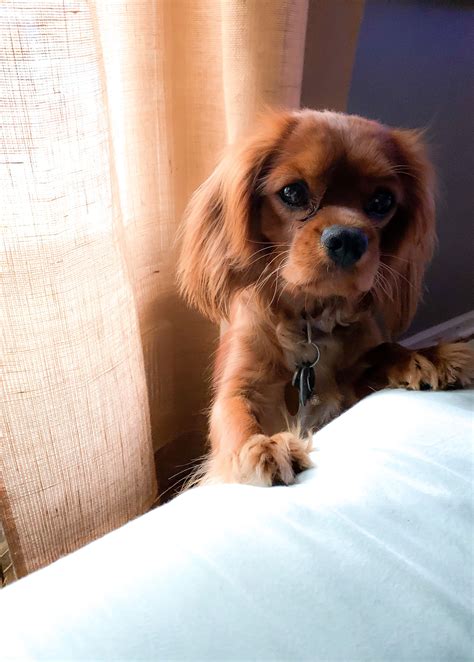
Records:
x=319, y=204
x=328, y=196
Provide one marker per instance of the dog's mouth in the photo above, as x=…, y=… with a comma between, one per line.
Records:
x=329, y=280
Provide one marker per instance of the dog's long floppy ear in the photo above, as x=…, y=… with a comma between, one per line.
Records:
x=220, y=221
x=408, y=241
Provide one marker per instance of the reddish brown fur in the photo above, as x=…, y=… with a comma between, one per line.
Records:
x=251, y=260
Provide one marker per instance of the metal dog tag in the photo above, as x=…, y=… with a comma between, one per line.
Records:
x=304, y=380
x=301, y=389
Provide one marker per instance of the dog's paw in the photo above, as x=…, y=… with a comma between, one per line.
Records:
x=415, y=372
x=273, y=460
x=454, y=363
x=261, y=461
x=446, y=366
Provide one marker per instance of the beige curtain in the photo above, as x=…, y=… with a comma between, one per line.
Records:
x=111, y=114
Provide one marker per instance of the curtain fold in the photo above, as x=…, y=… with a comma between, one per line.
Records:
x=112, y=113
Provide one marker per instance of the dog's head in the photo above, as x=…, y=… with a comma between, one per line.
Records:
x=318, y=204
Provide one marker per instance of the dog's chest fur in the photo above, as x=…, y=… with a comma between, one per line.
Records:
x=326, y=401
x=275, y=345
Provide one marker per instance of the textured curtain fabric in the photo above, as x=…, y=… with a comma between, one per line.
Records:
x=111, y=114
x=75, y=453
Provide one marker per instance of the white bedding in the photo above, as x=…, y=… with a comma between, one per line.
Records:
x=369, y=557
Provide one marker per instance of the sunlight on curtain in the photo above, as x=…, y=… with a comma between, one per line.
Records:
x=75, y=453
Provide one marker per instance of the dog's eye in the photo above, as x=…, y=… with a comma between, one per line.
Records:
x=380, y=204
x=295, y=194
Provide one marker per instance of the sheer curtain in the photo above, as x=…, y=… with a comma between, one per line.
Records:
x=111, y=114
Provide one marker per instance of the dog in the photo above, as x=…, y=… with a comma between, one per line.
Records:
x=310, y=239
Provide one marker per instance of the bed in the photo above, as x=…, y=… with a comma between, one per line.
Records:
x=368, y=557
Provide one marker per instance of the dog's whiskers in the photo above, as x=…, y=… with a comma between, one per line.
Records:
x=262, y=255
x=390, y=280
x=264, y=278
x=270, y=244
x=396, y=274
x=381, y=283
x=275, y=289
x=405, y=170
x=267, y=278
x=396, y=257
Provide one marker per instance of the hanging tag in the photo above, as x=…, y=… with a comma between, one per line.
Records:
x=301, y=388
x=304, y=380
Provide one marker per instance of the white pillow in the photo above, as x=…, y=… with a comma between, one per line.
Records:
x=369, y=557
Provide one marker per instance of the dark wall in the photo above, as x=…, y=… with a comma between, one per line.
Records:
x=414, y=68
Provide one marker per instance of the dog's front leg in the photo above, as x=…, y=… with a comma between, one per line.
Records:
x=241, y=452
x=443, y=366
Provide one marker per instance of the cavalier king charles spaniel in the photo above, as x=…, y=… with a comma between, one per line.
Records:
x=310, y=239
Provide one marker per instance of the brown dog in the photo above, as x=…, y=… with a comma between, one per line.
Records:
x=311, y=238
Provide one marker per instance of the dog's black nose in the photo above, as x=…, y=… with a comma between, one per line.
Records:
x=345, y=246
